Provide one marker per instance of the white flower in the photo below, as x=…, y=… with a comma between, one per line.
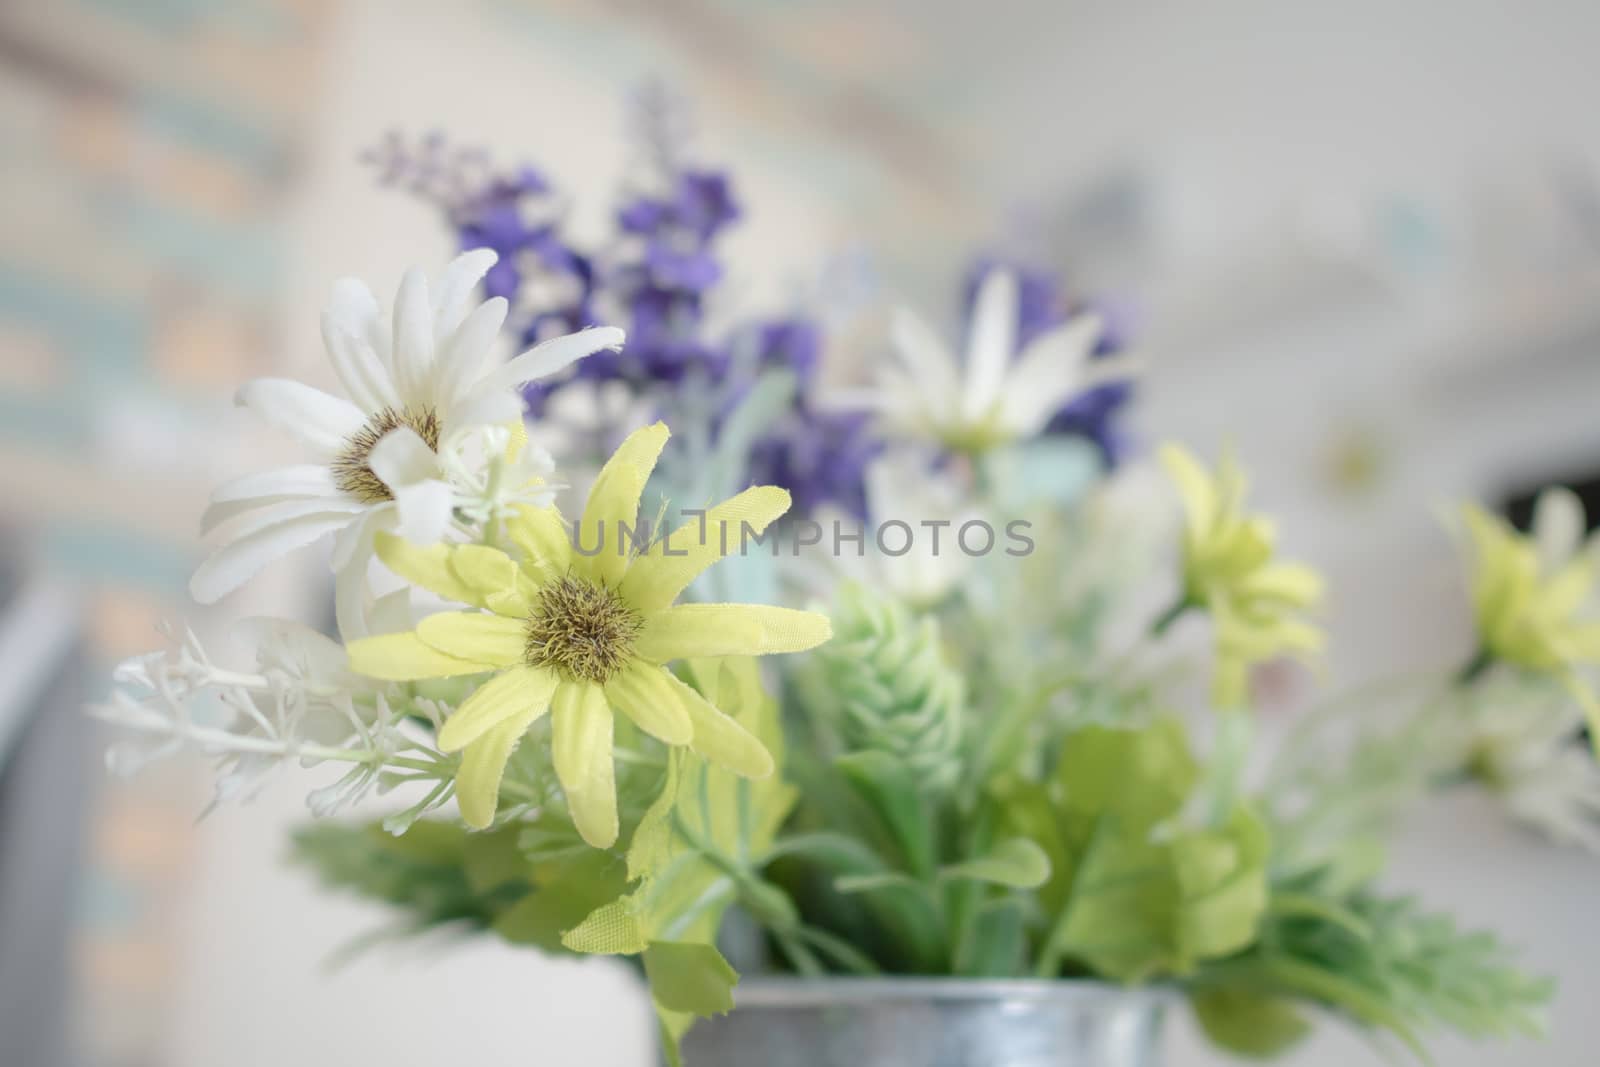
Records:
x=903, y=486
x=301, y=704
x=1522, y=746
x=403, y=449
x=1000, y=395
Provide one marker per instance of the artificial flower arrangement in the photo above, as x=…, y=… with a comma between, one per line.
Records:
x=982, y=758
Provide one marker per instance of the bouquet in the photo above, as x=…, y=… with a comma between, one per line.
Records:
x=934, y=689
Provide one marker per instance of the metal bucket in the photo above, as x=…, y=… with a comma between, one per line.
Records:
x=930, y=1022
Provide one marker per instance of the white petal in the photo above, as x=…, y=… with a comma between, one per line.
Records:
x=356, y=310
x=261, y=512
x=456, y=283
x=1558, y=527
x=238, y=561
x=548, y=357
x=356, y=538
x=322, y=421
x=991, y=343
x=402, y=458
x=461, y=355
x=364, y=377
x=424, y=509
x=413, y=340
x=305, y=480
x=492, y=407
x=1048, y=373
x=350, y=599
x=929, y=366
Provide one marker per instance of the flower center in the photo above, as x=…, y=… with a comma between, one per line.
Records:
x=582, y=629
x=352, y=471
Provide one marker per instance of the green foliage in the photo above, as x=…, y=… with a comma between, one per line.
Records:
x=1383, y=961
x=436, y=873
x=1134, y=892
x=883, y=685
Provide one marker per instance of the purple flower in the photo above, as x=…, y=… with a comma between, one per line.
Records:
x=1042, y=305
x=795, y=344
x=820, y=457
x=705, y=203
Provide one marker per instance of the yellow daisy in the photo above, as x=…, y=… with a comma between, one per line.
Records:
x=583, y=634
x=1229, y=571
x=1534, y=597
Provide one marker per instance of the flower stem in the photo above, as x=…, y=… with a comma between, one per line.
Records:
x=1473, y=669
x=1165, y=620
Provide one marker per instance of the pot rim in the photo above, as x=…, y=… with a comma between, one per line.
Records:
x=798, y=991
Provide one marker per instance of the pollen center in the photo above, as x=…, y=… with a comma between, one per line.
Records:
x=352, y=470
x=582, y=629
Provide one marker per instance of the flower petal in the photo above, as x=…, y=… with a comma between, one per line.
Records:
x=322, y=421
x=453, y=300
x=519, y=693
x=494, y=579
x=484, y=765
x=643, y=694
x=991, y=342
x=401, y=457
x=306, y=480
x=462, y=354
x=615, y=500
x=655, y=579
x=362, y=373
x=423, y=510
x=719, y=738
x=407, y=658
x=541, y=534
x=1047, y=374
x=1558, y=527
x=427, y=566
x=1195, y=487
x=548, y=357
x=242, y=558
x=413, y=341
x=581, y=750
x=354, y=309
x=694, y=630
x=925, y=355
x=474, y=636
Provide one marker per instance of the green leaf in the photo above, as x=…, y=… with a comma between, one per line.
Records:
x=1017, y=863
x=995, y=943
x=492, y=859
x=690, y=976
x=893, y=791
x=1247, y=1023
x=1133, y=893
x=556, y=906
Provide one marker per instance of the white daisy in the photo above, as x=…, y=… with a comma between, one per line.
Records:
x=421, y=413
x=1000, y=395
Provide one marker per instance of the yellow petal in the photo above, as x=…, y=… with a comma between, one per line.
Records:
x=721, y=740
x=494, y=578
x=406, y=658
x=655, y=579
x=427, y=566
x=474, y=636
x=542, y=536
x=1291, y=584
x=615, y=500
x=1195, y=487
x=729, y=630
x=643, y=693
x=484, y=765
x=519, y=693
x=581, y=750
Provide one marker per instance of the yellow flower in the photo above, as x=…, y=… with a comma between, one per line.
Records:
x=584, y=633
x=1229, y=571
x=1533, y=597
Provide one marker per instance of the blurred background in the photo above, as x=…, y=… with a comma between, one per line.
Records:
x=1364, y=239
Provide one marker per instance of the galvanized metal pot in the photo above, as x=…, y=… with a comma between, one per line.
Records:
x=930, y=1022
